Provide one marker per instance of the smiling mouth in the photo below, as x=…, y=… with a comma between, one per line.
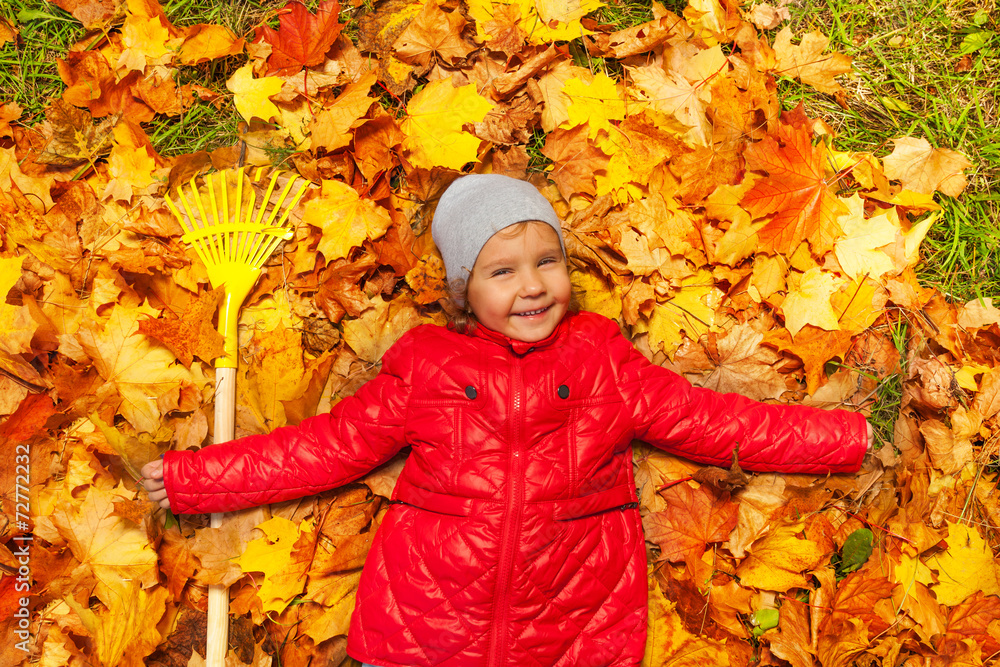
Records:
x=530, y=313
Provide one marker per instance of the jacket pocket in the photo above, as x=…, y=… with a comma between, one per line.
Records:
x=618, y=497
x=434, y=501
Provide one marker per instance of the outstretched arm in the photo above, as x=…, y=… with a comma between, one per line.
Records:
x=323, y=452
x=706, y=426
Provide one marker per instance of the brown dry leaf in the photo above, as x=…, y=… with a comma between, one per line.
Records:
x=73, y=138
x=378, y=328
x=745, y=366
x=922, y=168
x=575, y=160
x=215, y=547
x=433, y=32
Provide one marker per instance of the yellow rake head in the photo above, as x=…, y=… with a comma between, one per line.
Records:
x=230, y=222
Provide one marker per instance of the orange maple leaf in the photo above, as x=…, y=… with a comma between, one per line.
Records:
x=795, y=191
x=693, y=518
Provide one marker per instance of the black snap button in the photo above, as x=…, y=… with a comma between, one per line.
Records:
x=563, y=391
x=470, y=391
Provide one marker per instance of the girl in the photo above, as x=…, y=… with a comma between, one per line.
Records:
x=514, y=536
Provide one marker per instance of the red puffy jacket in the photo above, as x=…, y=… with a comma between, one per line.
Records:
x=515, y=538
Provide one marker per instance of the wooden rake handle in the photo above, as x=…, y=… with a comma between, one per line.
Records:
x=217, y=638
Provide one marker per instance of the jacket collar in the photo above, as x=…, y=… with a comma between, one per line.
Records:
x=520, y=347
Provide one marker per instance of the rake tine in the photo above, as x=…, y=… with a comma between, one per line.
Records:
x=177, y=214
x=204, y=249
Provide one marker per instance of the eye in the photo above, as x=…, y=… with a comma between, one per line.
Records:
x=500, y=272
x=547, y=260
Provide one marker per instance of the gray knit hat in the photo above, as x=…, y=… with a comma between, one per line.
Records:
x=477, y=206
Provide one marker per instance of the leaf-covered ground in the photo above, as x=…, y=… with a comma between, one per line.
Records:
x=736, y=244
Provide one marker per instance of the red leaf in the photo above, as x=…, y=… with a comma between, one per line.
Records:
x=302, y=39
x=28, y=419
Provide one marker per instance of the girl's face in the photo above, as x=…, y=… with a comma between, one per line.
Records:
x=520, y=286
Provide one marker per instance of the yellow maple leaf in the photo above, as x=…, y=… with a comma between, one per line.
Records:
x=555, y=103
x=331, y=127
x=555, y=20
x=808, y=302
x=708, y=19
x=140, y=369
x=670, y=643
x=125, y=631
x=433, y=125
x=807, y=62
x=596, y=102
x=777, y=560
x=858, y=251
x=145, y=41
x=284, y=574
x=858, y=303
x=16, y=325
x=595, y=295
x=109, y=547
x=378, y=328
x=338, y=605
x=130, y=171
x=251, y=95
x=275, y=375
x=345, y=218
x=967, y=566
x=692, y=311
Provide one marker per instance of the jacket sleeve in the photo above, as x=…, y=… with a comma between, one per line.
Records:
x=705, y=426
x=360, y=433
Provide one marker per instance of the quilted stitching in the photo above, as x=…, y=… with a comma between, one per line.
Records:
x=429, y=583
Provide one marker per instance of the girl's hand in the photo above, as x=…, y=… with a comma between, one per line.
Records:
x=871, y=437
x=152, y=481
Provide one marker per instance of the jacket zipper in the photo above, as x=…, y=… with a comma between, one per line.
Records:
x=511, y=525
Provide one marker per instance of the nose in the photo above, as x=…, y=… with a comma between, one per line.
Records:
x=532, y=284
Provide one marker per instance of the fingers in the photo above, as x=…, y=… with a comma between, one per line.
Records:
x=152, y=470
x=152, y=482
x=871, y=437
x=160, y=498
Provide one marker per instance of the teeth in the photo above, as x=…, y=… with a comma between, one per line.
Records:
x=534, y=312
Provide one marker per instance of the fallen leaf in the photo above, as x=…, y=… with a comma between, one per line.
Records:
x=967, y=566
x=807, y=62
x=922, y=168
x=191, y=334
x=778, y=561
x=251, y=95
x=808, y=302
x=277, y=556
x=433, y=126
x=692, y=519
x=795, y=191
x=347, y=220
x=302, y=38
x=745, y=367
x=377, y=329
